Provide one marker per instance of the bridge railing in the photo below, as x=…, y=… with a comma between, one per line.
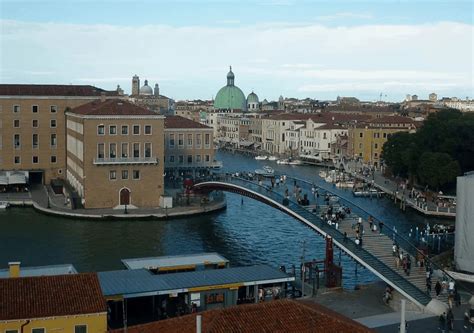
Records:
x=356, y=250
x=388, y=230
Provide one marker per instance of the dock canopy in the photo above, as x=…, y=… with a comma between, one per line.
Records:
x=17, y=178
x=3, y=178
x=176, y=262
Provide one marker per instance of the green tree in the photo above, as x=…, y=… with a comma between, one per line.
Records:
x=437, y=169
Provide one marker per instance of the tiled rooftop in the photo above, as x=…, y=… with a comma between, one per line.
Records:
x=275, y=316
x=181, y=122
x=52, y=90
x=50, y=296
x=112, y=107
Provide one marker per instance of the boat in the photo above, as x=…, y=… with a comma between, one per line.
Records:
x=272, y=158
x=345, y=184
x=261, y=157
x=266, y=171
x=367, y=193
x=285, y=161
x=323, y=174
x=4, y=204
x=295, y=162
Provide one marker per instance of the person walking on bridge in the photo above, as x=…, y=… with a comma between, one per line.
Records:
x=438, y=288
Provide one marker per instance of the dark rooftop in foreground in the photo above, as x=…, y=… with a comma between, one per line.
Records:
x=50, y=296
x=275, y=316
x=52, y=90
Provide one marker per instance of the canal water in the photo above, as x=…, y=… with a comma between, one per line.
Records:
x=246, y=234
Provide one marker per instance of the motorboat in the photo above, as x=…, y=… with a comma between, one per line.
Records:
x=345, y=184
x=284, y=161
x=4, y=204
x=272, y=158
x=373, y=192
x=261, y=157
x=323, y=174
x=266, y=171
x=295, y=162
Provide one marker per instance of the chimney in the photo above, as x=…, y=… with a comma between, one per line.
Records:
x=102, y=96
x=14, y=269
x=198, y=323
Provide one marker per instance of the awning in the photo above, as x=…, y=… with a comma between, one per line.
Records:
x=17, y=178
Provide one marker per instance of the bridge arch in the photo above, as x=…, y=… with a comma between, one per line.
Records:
x=409, y=291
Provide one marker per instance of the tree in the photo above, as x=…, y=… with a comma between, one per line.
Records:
x=395, y=155
x=437, y=169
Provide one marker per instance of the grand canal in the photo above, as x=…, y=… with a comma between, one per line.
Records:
x=247, y=233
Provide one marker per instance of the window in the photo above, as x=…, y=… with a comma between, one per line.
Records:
x=198, y=140
x=148, y=129
x=190, y=159
x=125, y=150
x=198, y=158
x=361, y=135
x=35, y=123
x=53, y=109
x=136, y=129
x=124, y=130
x=208, y=158
x=360, y=145
x=16, y=141
x=385, y=135
x=100, y=150
x=52, y=123
x=207, y=139
x=17, y=159
x=171, y=141
x=324, y=136
x=147, y=149
x=376, y=146
x=34, y=108
x=180, y=140
x=171, y=158
x=53, y=159
x=54, y=140
x=136, y=174
x=35, y=159
x=112, y=174
x=35, y=142
x=80, y=329
x=190, y=140
x=100, y=130
x=113, y=150
x=16, y=108
x=180, y=159
x=124, y=174
x=11, y=331
x=136, y=150
x=38, y=330
x=16, y=123
x=113, y=130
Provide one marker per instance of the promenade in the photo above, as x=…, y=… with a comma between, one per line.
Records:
x=43, y=199
x=399, y=194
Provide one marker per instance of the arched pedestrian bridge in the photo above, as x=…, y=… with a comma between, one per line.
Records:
x=375, y=254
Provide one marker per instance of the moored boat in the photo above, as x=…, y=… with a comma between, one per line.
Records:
x=272, y=158
x=266, y=171
x=261, y=157
x=367, y=193
x=4, y=205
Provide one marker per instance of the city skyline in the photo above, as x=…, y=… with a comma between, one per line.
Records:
x=292, y=48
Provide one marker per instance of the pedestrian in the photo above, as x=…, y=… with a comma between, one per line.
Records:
x=438, y=288
x=345, y=237
x=380, y=226
x=451, y=287
x=394, y=249
x=450, y=320
x=397, y=262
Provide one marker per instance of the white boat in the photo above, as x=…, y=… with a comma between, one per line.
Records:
x=272, y=158
x=285, y=161
x=295, y=162
x=345, y=184
x=266, y=171
x=323, y=174
x=261, y=157
x=4, y=205
x=367, y=193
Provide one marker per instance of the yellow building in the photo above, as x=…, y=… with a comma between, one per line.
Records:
x=366, y=140
x=115, y=154
x=62, y=303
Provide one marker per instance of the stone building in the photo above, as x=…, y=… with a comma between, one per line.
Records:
x=33, y=127
x=115, y=154
x=150, y=98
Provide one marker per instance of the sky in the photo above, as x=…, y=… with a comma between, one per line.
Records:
x=373, y=49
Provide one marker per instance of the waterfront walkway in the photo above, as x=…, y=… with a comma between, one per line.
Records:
x=43, y=199
x=376, y=252
x=395, y=190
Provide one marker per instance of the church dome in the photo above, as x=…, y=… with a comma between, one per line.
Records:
x=252, y=98
x=230, y=96
x=146, y=89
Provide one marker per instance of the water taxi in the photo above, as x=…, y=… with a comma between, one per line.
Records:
x=261, y=157
x=272, y=158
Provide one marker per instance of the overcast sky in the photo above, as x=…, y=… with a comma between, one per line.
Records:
x=318, y=49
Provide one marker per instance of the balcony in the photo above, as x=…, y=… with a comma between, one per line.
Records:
x=125, y=160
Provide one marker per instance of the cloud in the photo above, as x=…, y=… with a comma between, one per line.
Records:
x=345, y=15
x=277, y=58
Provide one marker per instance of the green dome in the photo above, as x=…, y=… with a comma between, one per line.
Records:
x=252, y=98
x=230, y=96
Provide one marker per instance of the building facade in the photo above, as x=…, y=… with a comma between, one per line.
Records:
x=115, y=154
x=33, y=127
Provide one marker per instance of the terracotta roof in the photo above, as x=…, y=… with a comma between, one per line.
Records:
x=392, y=120
x=112, y=107
x=275, y=316
x=52, y=90
x=50, y=296
x=181, y=122
x=323, y=117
